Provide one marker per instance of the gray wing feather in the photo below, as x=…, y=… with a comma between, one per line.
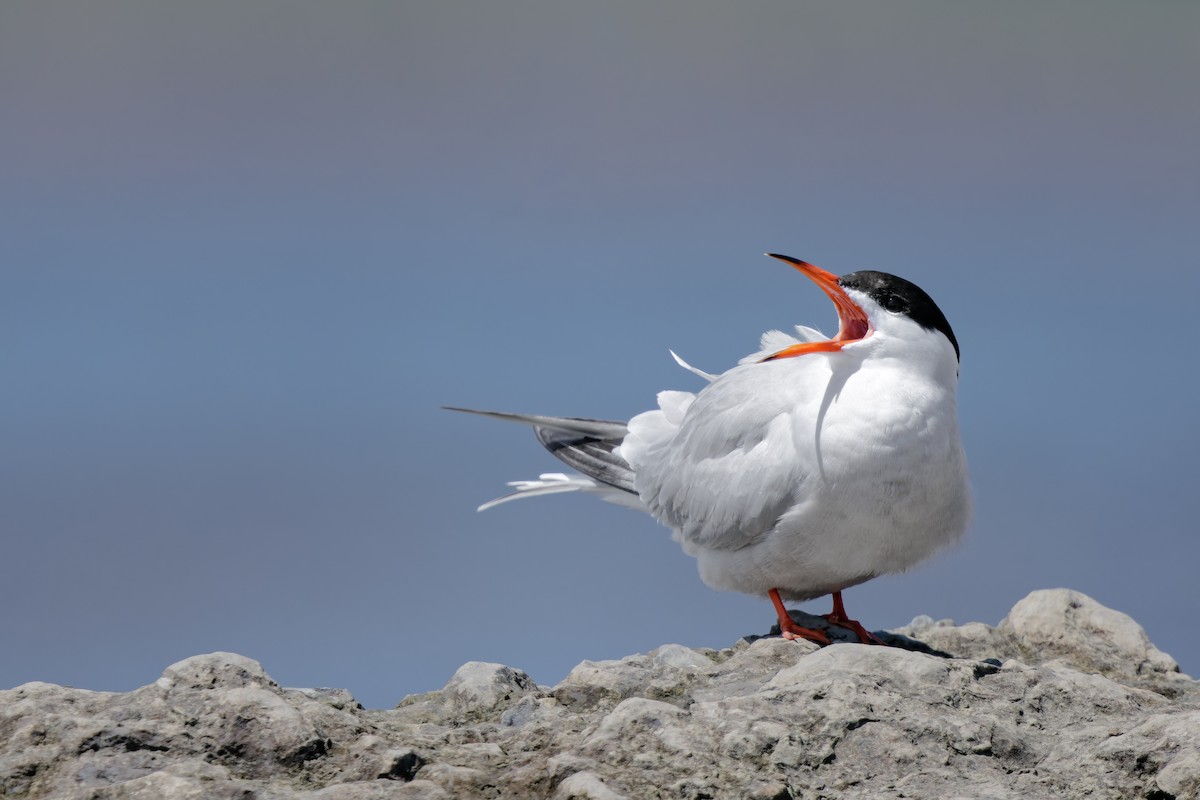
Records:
x=587, y=445
x=595, y=428
x=593, y=457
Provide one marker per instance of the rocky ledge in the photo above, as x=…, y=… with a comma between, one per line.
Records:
x=1064, y=698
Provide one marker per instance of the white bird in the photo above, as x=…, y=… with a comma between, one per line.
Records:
x=813, y=465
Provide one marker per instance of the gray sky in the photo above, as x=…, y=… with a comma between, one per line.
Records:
x=250, y=248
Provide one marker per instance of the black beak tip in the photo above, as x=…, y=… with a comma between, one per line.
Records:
x=782, y=257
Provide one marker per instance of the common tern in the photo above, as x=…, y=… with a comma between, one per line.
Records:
x=812, y=466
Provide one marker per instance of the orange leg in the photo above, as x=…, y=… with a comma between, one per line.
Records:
x=838, y=617
x=790, y=629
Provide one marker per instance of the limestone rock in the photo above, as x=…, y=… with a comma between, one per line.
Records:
x=1063, y=698
x=1072, y=626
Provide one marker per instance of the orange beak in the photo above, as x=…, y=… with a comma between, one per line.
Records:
x=852, y=320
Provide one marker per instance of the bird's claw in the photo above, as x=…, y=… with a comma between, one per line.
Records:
x=793, y=632
x=840, y=618
x=854, y=626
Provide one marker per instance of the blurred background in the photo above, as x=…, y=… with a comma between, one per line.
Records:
x=250, y=247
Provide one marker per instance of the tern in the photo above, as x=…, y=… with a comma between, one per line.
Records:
x=811, y=466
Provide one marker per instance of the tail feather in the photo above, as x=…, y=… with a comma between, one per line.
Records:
x=557, y=482
x=588, y=445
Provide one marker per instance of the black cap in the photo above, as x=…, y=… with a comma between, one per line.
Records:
x=901, y=297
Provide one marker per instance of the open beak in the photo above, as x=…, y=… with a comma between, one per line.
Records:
x=852, y=320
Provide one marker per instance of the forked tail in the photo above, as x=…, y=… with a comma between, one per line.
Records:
x=588, y=445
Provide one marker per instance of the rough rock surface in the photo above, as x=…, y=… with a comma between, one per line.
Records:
x=1064, y=698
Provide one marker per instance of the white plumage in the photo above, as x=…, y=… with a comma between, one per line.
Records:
x=810, y=474
x=811, y=466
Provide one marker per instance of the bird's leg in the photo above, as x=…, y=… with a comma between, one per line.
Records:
x=788, y=627
x=838, y=617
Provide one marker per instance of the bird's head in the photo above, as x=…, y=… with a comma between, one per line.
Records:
x=869, y=301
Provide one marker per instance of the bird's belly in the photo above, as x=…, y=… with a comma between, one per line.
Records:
x=886, y=488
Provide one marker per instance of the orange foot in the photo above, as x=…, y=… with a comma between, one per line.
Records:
x=838, y=617
x=788, y=627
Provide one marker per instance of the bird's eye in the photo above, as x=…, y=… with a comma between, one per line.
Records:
x=893, y=302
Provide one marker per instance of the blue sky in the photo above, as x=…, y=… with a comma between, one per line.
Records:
x=250, y=249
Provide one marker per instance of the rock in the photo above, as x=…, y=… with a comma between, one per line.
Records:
x=225, y=670
x=477, y=691
x=1063, y=698
x=399, y=765
x=1065, y=625
x=1074, y=627
x=585, y=786
x=664, y=674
